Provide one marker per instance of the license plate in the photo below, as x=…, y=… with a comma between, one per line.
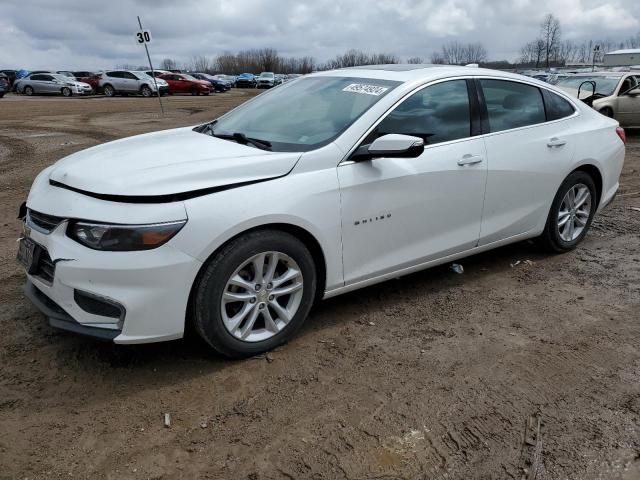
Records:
x=27, y=253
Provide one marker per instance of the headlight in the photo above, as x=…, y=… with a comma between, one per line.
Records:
x=122, y=238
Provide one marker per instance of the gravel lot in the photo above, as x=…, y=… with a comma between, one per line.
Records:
x=435, y=375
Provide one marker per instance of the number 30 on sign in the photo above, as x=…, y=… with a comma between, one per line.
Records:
x=143, y=36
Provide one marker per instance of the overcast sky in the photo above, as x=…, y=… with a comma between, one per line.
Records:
x=78, y=34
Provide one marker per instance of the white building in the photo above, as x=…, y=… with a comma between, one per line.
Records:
x=620, y=58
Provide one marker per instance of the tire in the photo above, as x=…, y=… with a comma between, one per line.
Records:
x=555, y=238
x=66, y=92
x=607, y=112
x=2, y=95
x=28, y=90
x=145, y=91
x=212, y=317
x=195, y=91
x=109, y=91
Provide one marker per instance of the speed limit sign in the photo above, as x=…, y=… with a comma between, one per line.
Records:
x=143, y=36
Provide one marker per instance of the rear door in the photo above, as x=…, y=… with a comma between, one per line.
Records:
x=526, y=149
x=130, y=82
x=402, y=212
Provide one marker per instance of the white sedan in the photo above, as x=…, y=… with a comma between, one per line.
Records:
x=332, y=182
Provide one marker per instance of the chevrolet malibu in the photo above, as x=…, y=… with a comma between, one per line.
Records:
x=335, y=181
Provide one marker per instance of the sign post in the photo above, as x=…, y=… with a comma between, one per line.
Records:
x=144, y=37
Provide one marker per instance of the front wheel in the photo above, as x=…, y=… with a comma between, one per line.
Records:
x=255, y=293
x=607, y=112
x=145, y=91
x=571, y=213
x=66, y=92
x=195, y=91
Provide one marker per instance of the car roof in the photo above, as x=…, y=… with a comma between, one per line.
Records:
x=599, y=74
x=419, y=72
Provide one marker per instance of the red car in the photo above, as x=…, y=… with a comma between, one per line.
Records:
x=182, y=83
x=88, y=77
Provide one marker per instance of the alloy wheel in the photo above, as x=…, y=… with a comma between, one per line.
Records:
x=262, y=296
x=574, y=212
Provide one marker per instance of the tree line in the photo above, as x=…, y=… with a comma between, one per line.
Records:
x=549, y=50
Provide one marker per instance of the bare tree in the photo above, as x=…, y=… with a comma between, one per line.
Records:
x=437, y=58
x=415, y=60
x=474, y=53
x=168, y=64
x=202, y=64
x=454, y=53
x=550, y=35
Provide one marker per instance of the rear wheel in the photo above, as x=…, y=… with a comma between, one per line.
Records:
x=28, y=90
x=109, y=91
x=255, y=293
x=66, y=92
x=607, y=112
x=571, y=213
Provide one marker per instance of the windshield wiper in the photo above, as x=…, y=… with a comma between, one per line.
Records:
x=242, y=139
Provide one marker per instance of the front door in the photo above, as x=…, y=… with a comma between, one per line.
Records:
x=629, y=105
x=401, y=212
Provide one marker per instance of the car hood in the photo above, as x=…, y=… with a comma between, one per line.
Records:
x=166, y=163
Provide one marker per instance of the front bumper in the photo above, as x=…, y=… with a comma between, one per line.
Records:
x=152, y=288
x=60, y=319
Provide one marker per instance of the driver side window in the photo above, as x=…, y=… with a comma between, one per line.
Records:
x=438, y=113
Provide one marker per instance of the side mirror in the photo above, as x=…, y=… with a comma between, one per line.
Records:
x=391, y=145
x=634, y=92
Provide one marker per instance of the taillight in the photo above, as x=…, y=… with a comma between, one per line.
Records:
x=621, y=134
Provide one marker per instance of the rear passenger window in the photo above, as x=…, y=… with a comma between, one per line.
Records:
x=512, y=105
x=556, y=106
x=439, y=113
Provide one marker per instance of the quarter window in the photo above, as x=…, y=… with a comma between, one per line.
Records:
x=556, y=106
x=436, y=114
x=511, y=104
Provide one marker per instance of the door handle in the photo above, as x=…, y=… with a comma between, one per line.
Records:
x=556, y=142
x=470, y=160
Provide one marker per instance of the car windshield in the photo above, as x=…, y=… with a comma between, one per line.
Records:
x=268, y=75
x=604, y=85
x=304, y=115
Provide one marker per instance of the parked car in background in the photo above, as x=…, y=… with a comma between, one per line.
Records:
x=614, y=94
x=66, y=73
x=184, y=83
x=11, y=76
x=52, y=83
x=246, y=80
x=325, y=185
x=163, y=86
x=5, y=87
x=266, y=80
x=91, y=78
x=216, y=84
x=227, y=79
x=279, y=78
x=126, y=82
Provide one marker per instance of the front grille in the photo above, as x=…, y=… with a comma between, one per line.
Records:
x=43, y=222
x=46, y=269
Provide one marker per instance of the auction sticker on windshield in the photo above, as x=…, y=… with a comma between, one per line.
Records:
x=366, y=89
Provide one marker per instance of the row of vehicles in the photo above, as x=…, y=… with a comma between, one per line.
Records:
x=131, y=82
x=114, y=82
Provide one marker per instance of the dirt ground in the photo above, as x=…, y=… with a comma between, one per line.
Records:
x=436, y=375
